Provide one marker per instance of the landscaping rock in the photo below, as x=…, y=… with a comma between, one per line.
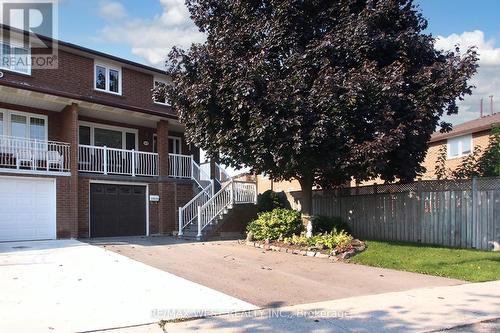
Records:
x=321, y=255
x=250, y=236
x=303, y=253
x=359, y=246
x=347, y=254
x=296, y=251
x=310, y=253
x=274, y=248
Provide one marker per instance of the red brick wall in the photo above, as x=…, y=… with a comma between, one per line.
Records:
x=75, y=75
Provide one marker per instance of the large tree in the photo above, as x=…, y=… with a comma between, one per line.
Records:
x=318, y=90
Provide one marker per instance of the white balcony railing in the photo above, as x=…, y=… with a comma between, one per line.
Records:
x=117, y=161
x=33, y=156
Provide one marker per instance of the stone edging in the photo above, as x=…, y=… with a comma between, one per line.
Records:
x=268, y=247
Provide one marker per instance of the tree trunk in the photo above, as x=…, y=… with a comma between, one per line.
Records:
x=306, y=184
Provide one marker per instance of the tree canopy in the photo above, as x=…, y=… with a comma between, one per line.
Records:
x=318, y=90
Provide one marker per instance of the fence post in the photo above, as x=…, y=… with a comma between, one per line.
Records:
x=199, y=222
x=180, y=222
x=105, y=160
x=419, y=210
x=474, y=212
x=133, y=163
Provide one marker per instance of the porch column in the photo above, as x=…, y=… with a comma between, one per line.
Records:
x=162, y=143
x=166, y=210
x=67, y=187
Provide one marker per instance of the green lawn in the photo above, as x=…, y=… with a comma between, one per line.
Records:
x=469, y=265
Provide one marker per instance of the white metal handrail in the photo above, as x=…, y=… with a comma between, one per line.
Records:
x=180, y=166
x=222, y=174
x=35, y=155
x=231, y=193
x=189, y=212
x=117, y=161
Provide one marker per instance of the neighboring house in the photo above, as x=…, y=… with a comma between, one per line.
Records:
x=86, y=152
x=460, y=142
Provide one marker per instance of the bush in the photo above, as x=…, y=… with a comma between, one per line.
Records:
x=270, y=200
x=339, y=240
x=276, y=224
x=325, y=224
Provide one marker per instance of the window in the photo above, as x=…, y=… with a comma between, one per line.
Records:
x=162, y=99
x=84, y=135
x=15, y=58
x=109, y=138
x=23, y=125
x=459, y=146
x=108, y=79
x=92, y=134
x=174, y=145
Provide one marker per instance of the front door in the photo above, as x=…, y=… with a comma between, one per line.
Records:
x=117, y=210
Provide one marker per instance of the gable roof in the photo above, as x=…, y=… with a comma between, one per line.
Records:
x=469, y=127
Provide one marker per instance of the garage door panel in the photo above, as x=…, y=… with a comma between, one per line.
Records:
x=117, y=210
x=28, y=209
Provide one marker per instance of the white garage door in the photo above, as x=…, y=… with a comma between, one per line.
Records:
x=27, y=209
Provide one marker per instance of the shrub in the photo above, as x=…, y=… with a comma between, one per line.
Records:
x=325, y=224
x=339, y=240
x=270, y=200
x=276, y=224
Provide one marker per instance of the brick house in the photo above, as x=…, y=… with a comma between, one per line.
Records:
x=85, y=151
x=460, y=142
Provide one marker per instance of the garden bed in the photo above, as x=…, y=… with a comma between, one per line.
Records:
x=354, y=248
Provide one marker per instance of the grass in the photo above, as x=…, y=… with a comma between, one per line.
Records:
x=469, y=265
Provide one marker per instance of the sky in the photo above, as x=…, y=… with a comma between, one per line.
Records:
x=144, y=31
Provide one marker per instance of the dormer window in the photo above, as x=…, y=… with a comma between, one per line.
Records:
x=160, y=98
x=108, y=79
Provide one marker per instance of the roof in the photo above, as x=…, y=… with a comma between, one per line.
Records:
x=90, y=51
x=477, y=125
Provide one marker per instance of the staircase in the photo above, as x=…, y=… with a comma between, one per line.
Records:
x=203, y=215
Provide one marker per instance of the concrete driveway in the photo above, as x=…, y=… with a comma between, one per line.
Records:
x=69, y=286
x=266, y=279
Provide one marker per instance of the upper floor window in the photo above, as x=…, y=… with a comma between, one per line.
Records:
x=15, y=58
x=459, y=146
x=160, y=96
x=108, y=78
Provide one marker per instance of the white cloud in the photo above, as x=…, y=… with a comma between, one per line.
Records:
x=112, y=10
x=487, y=79
x=153, y=38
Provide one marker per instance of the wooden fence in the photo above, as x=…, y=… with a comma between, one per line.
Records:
x=463, y=214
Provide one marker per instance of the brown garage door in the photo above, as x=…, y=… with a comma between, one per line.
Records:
x=117, y=210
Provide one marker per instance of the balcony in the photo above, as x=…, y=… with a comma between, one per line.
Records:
x=21, y=155
x=103, y=160
x=106, y=161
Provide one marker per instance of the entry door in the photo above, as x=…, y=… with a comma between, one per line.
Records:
x=117, y=210
x=27, y=209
